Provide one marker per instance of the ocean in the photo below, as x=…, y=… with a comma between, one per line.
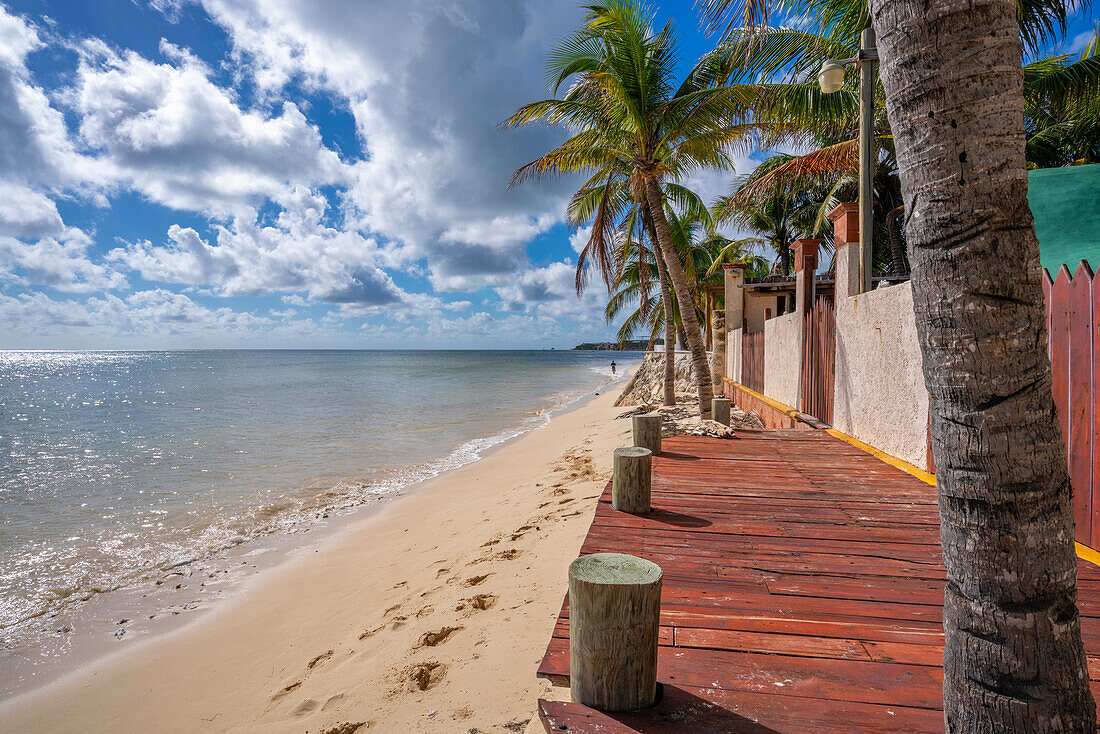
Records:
x=116, y=467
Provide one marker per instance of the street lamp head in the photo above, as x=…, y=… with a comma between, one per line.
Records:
x=831, y=76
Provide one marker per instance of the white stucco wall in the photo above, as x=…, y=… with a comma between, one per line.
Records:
x=783, y=358
x=757, y=307
x=733, y=355
x=879, y=394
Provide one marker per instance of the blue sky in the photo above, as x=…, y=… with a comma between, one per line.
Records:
x=288, y=173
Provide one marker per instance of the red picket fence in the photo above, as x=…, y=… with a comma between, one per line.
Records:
x=1073, y=315
x=752, y=361
x=818, y=358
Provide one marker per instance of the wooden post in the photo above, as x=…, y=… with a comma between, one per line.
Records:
x=614, y=612
x=631, y=483
x=720, y=410
x=647, y=431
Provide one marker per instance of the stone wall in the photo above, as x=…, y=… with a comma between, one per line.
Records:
x=647, y=384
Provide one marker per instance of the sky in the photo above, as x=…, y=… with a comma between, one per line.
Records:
x=289, y=174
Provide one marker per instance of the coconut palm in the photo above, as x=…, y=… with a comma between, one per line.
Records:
x=1062, y=110
x=702, y=252
x=1063, y=120
x=955, y=101
x=780, y=212
x=602, y=201
x=624, y=107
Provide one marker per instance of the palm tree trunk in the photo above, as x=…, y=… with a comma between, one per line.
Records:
x=1013, y=659
x=785, y=258
x=683, y=296
x=670, y=319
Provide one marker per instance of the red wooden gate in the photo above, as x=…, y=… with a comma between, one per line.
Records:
x=818, y=352
x=1073, y=315
x=752, y=361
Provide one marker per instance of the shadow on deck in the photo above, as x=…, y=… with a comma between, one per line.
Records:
x=803, y=588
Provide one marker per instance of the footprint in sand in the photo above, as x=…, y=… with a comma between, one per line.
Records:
x=371, y=633
x=398, y=622
x=509, y=555
x=319, y=660
x=475, y=580
x=296, y=684
x=305, y=707
x=438, y=637
x=286, y=691
x=346, y=728
x=333, y=702
x=424, y=612
x=478, y=602
x=425, y=676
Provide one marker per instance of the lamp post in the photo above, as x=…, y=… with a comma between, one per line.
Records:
x=831, y=79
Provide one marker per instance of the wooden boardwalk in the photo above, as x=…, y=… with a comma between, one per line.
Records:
x=803, y=588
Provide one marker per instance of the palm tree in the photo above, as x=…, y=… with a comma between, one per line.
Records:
x=602, y=200
x=1063, y=119
x=701, y=250
x=954, y=95
x=780, y=213
x=1062, y=109
x=626, y=111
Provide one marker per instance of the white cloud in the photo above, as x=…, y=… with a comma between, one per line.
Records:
x=579, y=239
x=427, y=82
x=149, y=313
x=37, y=148
x=60, y=263
x=551, y=291
x=296, y=253
x=168, y=131
x=38, y=158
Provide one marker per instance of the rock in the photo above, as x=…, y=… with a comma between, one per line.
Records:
x=648, y=383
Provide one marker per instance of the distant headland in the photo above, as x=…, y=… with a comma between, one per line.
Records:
x=637, y=345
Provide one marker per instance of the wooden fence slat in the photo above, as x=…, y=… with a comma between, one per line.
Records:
x=1059, y=360
x=1079, y=438
x=1048, y=286
x=1071, y=311
x=1093, y=399
x=752, y=361
x=818, y=347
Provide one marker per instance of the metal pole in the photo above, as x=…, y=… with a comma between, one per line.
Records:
x=866, y=154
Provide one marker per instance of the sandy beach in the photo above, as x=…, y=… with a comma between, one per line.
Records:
x=428, y=614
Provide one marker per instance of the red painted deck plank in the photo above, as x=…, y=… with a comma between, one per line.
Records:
x=803, y=591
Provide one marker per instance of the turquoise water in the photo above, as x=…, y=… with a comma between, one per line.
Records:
x=117, y=465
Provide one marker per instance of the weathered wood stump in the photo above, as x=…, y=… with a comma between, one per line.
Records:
x=614, y=611
x=720, y=410
x=647, y=431
x=630, y=485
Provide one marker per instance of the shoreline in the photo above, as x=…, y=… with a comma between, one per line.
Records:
x=156, y=604
x=530, y=460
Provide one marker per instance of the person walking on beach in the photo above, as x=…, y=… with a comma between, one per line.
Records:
x=612, y=366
